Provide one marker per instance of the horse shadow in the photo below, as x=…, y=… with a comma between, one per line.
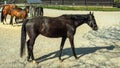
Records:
x=68, y=51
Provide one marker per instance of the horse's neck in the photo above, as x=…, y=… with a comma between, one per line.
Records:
x=78, y=23
x=25, y=9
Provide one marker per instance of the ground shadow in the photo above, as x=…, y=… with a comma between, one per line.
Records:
x=68, y=51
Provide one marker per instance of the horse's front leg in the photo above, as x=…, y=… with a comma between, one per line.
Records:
x=71, y=39
x=16, y=20
x=61, y=47
x=11, y=20
x=4, y=21
x=23, y=19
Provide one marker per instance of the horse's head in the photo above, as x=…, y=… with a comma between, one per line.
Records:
x=91, y=21
x=27, y=9
x=83, y=18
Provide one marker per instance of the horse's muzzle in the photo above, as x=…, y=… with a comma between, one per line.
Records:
x=95, y=28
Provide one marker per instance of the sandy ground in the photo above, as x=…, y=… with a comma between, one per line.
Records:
x=99, y=49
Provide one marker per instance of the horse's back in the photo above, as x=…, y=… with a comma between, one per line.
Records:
x=8, y=7
x=19, y=12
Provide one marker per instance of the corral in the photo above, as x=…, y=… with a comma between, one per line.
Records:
x=99, y=49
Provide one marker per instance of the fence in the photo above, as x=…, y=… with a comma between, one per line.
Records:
x=69, y=2
x=79, y=2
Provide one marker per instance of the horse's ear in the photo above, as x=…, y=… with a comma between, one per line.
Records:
x=90, y=12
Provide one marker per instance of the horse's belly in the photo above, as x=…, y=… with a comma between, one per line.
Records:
x=54, y=33
x=51, y=30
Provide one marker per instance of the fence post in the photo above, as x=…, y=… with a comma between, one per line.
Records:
x=62, y=2
x=85, y=3
x=50, y=2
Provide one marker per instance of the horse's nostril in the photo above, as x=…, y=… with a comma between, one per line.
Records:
x=95, y=28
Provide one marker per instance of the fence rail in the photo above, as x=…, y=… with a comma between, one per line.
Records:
x=71, y=2
x=80, y=2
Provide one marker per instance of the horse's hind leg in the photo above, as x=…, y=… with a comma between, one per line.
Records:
x=30, y=49
x=30, y=45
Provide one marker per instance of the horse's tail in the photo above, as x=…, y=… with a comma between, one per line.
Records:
x=23, y=37
x=2, y=15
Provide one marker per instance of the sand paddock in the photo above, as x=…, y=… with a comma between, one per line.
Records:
x=99, y=49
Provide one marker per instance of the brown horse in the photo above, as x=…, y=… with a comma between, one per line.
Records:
x=6, y=10
x=63, y=26
x=19, y=13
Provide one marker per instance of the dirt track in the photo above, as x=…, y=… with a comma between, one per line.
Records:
x=99, y=49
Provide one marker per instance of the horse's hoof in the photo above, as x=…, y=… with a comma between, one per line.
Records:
x=60, y=61
x=34, y=62
x=4, y=24
x=28, y=60
x=76, y=58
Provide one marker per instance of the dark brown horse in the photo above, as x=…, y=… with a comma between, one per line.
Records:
x=6, y=10
x=19, y=14
x=39, y=11
x=63, y=26
x=36, y=11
